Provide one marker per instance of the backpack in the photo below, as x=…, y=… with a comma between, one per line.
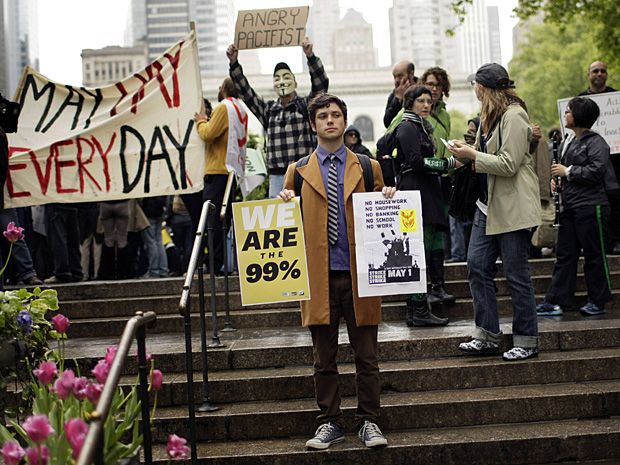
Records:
x=386, y=148
x=369, y=178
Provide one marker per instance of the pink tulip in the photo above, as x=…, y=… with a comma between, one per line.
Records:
x=157, y=378
x=76, y=430
x=110, y=353
x=177, y=447
x=12, y=453
x=46, y=372
x=38, y=428
x=93, y=392
x=79, y=387
x=38, y=455
x=63, y=387
x=13, y=233
x=101, y=371
x=61, y=323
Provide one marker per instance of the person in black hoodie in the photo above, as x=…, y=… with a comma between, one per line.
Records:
x=418, y=170
x=353, y=141
x=584, y=172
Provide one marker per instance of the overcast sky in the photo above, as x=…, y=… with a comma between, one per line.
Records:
x=68, y=26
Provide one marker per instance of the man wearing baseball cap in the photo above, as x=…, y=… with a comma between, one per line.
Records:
x=286, y=121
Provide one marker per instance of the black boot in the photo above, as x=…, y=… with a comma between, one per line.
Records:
x=437, y=293
x=106, y=267
x=421, y=315
x=410, y=312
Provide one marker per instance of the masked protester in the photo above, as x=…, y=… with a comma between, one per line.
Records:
x=289, y=135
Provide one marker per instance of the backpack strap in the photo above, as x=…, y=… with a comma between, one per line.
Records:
x=369, y=178
x=297, y=179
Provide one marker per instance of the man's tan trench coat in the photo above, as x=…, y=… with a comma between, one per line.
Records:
x=314, y=208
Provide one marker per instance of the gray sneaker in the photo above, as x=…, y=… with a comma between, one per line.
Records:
x=520, y=353
x=371, y=435
x=479, y=347
x=326, y=435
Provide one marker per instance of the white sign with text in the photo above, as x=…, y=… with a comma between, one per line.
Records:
x=389, y=243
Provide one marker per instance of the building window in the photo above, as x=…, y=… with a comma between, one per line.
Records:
x=365, y=126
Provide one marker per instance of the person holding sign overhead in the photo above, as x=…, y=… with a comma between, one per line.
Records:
x=331, y=175
x=289, y=136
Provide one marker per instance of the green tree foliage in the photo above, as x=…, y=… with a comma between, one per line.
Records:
x=553, y=64
x=601, y=16
x=458, y=124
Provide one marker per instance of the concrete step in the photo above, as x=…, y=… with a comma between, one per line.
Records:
x=296, y=382
x=499, y=444
x=266, y=316
x=123, y=306
x=402, y=411
x=148, y=287
x=291, y=346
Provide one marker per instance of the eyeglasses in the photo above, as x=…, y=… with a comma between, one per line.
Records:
x=473, y=83
x=432, y=85
x=424, y=100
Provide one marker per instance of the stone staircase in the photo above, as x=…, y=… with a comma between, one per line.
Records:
x=438, y=406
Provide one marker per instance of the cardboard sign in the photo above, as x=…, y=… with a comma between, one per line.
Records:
x=389, y=244
x=134, y=138
x=608, y=123
x=271, y=251
x=271, y=27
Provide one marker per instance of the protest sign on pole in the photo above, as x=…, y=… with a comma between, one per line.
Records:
x=608, y=123
x=255, y=172
x=271, y=251
x=271, y=27
x=389, y=243
x=133, y=138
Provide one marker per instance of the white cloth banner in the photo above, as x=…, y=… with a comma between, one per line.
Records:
x=237, y=136
x=389, y=244
x=255, y=171
x=134, y=138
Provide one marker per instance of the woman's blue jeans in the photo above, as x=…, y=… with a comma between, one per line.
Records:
x=483, y=251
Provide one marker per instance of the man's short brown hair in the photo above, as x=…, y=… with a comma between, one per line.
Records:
x=321, y=101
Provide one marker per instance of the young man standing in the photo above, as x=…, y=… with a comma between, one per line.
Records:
x=331, y=175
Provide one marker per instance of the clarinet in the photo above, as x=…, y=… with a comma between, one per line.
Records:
x=556, y=194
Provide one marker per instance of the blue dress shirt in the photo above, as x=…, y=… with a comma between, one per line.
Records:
x=339, y=258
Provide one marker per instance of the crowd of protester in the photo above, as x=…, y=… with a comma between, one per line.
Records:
x=503, y=150
x=123, y=239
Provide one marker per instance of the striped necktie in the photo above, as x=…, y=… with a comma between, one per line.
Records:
x=332, y=200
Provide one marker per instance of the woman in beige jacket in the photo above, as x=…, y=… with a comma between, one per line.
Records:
x=508, y=209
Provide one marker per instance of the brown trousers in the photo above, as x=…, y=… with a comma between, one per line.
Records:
x=363, y=340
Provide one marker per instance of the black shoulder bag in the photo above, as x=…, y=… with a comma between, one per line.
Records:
x=466, y=190
x=464, y=194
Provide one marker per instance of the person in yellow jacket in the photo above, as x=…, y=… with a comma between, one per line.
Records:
x=216, y=132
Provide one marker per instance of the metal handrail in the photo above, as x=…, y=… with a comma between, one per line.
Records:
x=196, y=263
x=135, y=328
x=207, y=207
x=223, y=218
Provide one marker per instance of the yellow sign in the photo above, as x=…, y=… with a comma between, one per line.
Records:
x=271, y=27
x=407, y=221
x=271, y=251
